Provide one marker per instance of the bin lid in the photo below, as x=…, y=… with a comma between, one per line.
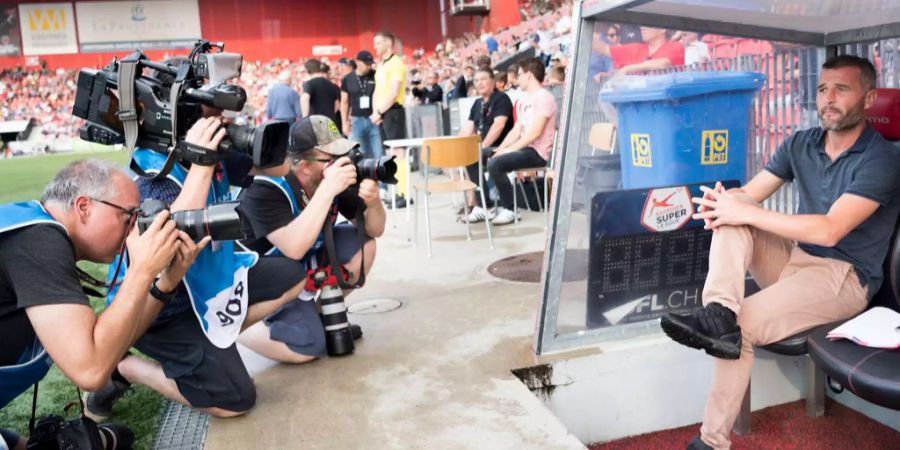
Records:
x=679, y=84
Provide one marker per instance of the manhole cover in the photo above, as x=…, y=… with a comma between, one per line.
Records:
x=375, y=306
x=527, y=267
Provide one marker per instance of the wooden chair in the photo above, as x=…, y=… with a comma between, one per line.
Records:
x=450, y=153
x=602, y=137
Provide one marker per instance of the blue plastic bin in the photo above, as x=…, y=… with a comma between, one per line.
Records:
x=681, y=128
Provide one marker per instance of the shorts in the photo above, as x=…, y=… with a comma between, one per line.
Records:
x=393, y=125
x=11, y=438
x=297, y=324
x=208, y=376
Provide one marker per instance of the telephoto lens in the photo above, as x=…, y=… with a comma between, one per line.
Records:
x=221, y=221
x=338, y=339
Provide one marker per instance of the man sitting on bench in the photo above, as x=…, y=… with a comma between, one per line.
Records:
x=820, y=265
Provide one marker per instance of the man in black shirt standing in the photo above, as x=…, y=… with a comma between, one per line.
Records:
x=320, y=96
x=287, y=214
x=491, y=116
x=356, y=106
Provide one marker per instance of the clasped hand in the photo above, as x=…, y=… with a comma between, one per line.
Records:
x=719, y=207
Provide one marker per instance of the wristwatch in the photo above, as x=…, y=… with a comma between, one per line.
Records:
x=164, y=297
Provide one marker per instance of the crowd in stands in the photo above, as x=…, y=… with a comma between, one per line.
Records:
x=42, y=95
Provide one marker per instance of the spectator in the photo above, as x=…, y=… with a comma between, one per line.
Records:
x=529, y=143
x=432, y=92
x=490, y=117
x=600, y=65
x=512, y=74
x=345, y=67
x=357, y=89
x=499, y=81
x=557, y=76
x=696, y=52
x=656, y=52
x=283, y=102
x=463, y=82
x=320, y=96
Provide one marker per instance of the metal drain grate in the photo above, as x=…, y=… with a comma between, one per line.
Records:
x=181, y=428
x=527, y=267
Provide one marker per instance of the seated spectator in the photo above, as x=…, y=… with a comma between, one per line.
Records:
x=499, y=81
x=557, y=76
x=529, y=143
x=695, y=51
x=654, y=53
x=491, y=117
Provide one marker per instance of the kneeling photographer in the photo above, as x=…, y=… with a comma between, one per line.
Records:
x=294, y=216
x=87, y=213
x=195, y=360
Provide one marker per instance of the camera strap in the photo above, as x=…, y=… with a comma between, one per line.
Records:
x=196, y=154
x=332, y=252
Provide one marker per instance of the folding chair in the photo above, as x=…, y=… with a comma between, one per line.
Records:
x=450, y=153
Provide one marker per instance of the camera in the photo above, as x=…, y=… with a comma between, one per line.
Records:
x=165, y=106
x=381, y=169
x=338, y=338
x=221, y=221
x=54, y=432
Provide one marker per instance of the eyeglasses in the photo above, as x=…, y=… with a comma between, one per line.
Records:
x=612, y=35
x=321, y=160
x=129, y=212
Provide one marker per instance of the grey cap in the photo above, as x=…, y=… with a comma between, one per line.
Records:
x=318, y=132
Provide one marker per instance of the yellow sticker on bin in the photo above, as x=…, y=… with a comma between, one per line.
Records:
x=715, y=147
x=640, y=150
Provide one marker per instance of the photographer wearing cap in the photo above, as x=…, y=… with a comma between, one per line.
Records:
x=195, y=361
x=286, y=215
x=87, y=213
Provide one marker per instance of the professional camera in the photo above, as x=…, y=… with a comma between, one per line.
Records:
x=122, y=106
x=381, y=169
x=220, y=221
x=54, y=433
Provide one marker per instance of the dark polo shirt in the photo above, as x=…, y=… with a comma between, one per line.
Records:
x=870, y=169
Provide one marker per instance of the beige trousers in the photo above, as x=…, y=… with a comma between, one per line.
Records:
x=799, y=292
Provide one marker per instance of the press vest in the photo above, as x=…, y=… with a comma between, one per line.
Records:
x=217, y=281
x=34, y=362
x=282, y=184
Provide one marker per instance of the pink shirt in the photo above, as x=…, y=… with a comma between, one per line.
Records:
x=529, y=108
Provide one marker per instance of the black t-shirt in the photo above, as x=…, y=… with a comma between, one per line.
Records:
x=426, y=95
x=322, y=95
x=37, y=267
x=498, y=104
x=356, y=87
x=265, y=209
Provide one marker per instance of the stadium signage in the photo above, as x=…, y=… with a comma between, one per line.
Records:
x=115, y=26
x=47, y=28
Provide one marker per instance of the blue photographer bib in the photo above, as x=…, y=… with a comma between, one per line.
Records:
x=217, y=281
x=34, y=362
x=296, y=209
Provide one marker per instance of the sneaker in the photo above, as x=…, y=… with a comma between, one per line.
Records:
x=503, y=216
x=479, y=214
x=698, y=444
x=355, y=331
x=713, y=329
x=98, y=405
x=115, y=436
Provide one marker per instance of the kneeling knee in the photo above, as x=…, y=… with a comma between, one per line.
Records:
x=224, y=413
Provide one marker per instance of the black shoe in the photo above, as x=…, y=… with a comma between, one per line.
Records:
x=115, y=436
x=355, y=331
x=698, y=444
x=98, y=405
x=713, y=329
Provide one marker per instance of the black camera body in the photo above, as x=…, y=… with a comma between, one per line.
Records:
x=220, y=221
x=54, y=432
x=160, y=115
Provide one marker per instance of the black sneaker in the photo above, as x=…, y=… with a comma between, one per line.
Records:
x=115, y=436
x=355, y=331
x=713, y=329
x=698, y=444
x=98, y=405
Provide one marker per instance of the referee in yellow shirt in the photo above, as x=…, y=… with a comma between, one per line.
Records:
x=390, y=87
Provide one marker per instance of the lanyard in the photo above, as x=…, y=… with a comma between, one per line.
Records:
x=363, y=84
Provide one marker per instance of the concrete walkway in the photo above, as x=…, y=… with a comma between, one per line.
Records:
x=433, y=374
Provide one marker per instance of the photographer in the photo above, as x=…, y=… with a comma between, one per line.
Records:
x=286, y=215
x=195, y=361
x=87, y=213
